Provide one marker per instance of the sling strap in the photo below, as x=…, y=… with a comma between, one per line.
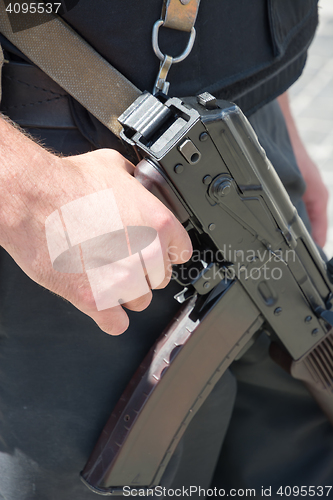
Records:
x=71, y=62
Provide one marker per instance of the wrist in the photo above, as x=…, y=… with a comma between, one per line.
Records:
x=23, y=177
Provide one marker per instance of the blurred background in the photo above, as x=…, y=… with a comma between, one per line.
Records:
x=311, y=99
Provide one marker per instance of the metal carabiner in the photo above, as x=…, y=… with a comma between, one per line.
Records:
x=161, y=85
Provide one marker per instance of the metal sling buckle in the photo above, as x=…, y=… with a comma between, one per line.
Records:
x=161, y=85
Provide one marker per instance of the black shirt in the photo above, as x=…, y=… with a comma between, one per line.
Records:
x=240, y=45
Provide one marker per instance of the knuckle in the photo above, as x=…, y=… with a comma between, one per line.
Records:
x=109, y=155
x=85, y=299
x=165, y=282
x=139, y=304
x=115, y=154
x=165, y=221
x=114, y=328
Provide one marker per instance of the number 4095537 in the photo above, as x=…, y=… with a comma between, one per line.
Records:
x=304, y=491
x=32, y=8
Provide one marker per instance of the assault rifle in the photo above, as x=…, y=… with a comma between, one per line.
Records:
x=202, y=158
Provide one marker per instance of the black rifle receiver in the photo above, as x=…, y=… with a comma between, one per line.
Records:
x=202, y=158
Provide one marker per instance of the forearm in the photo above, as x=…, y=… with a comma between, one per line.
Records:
x=22, y=162
x=316, y=194
x=18, y=151
x=295, y=139
x=285, y=108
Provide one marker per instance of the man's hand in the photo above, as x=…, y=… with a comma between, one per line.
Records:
x=316, y=194
x=36, y=184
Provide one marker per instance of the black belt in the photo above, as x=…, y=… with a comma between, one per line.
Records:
x=32, y=99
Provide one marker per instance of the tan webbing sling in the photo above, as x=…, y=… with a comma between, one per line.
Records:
x=71, y=62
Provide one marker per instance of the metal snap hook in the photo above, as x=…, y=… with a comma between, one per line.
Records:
x=161, y=85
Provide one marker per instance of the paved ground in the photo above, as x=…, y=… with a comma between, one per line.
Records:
x=312, y=104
